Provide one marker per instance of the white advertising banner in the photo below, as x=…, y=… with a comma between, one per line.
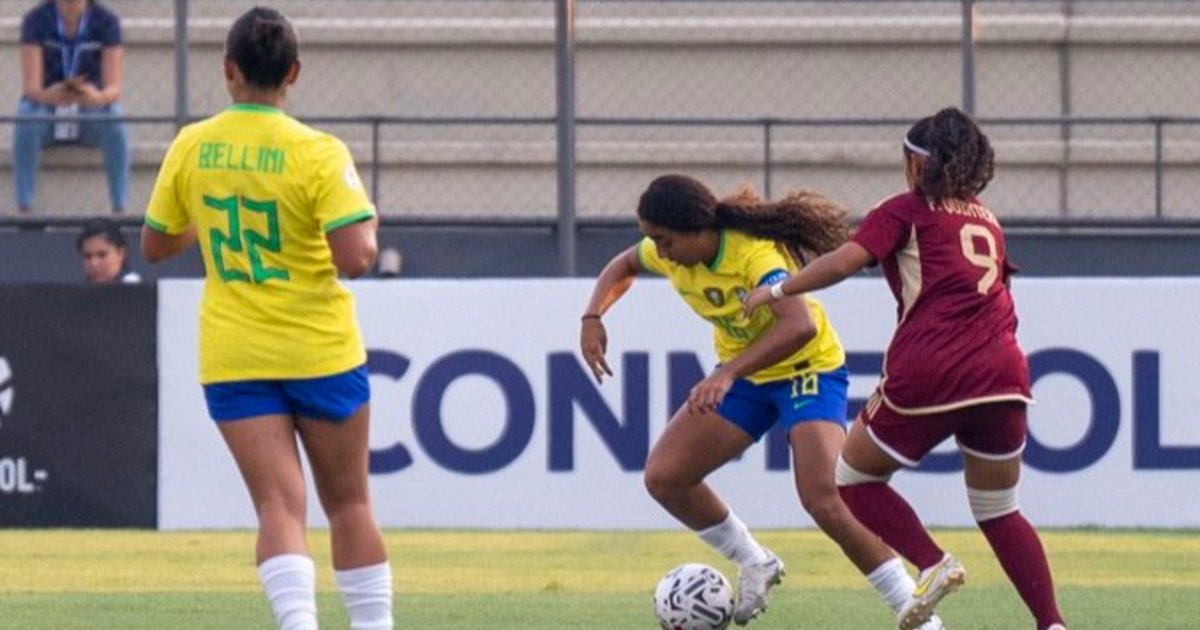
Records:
x=484, y=416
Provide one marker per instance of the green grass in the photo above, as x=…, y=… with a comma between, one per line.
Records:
x=71, y=579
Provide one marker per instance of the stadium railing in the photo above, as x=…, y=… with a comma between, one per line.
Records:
x=1038, y=143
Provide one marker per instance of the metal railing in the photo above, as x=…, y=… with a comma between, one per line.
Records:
x=1064, y=28
x=375, y=163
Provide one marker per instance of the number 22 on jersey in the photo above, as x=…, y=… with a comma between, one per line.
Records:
x=248, y=241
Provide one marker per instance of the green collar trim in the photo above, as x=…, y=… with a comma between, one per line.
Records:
x=720, y=254
x=254, y=107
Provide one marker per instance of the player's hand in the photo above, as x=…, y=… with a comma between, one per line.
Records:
x=593, y=342
x=709, y=393
x=755, y=299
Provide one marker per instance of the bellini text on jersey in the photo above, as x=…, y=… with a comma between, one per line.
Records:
x=224, y=156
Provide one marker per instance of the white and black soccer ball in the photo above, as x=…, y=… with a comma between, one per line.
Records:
x=693, y=597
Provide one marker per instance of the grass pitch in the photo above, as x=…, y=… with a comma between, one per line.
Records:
x=72, y=579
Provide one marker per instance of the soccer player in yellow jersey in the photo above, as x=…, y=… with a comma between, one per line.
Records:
x=782, y=365
x=278, y=210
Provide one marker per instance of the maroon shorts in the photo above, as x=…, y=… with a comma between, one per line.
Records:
x=994, y=431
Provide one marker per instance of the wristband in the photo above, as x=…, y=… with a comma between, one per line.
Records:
x=590, y=316
x=777, y=291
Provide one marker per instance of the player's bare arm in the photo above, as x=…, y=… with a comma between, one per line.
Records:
x=354, y=247
x=614, y=280
x=158, y=246
x=793, y=328
x=827, y=270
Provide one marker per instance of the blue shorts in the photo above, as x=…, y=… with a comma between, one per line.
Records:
x=333, y=397
x=814, y=396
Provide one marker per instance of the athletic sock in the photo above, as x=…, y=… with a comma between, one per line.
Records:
x=367, y=594
x=893, y=583
x=1019, y=550
x=732, y=539
x=289, y=581
x=886, y=513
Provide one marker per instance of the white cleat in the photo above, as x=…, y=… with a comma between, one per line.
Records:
x=936, y=582
x=754, y=582
x=1057, y=626
x=934, y=623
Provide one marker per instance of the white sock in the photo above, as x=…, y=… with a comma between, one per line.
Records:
x=367, y=594
x=732, y=539
x=893, y=583
x=290, y=582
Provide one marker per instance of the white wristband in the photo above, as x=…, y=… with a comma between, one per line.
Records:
x=777, y=291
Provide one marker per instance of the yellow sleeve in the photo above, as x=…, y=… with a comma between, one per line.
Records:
x=167, y=212
x=766, y=262
x=339, y=197
x=648, y=257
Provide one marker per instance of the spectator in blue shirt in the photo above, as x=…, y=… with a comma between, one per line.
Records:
x=71, y=66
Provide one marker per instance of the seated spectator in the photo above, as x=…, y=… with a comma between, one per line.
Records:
x=70, y=66
x=102, y=248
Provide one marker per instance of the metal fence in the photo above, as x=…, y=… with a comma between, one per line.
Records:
x=455, y=109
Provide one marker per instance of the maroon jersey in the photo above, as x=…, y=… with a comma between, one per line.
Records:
x=955, y=342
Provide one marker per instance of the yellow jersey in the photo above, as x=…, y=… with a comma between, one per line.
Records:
x=716, y=291
x=262, y=190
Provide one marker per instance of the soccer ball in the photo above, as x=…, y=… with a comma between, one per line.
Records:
x=693, y=597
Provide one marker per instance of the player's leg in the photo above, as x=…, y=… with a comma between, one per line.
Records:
x=992, y=444
x=815, y=448
x=338, y=454
x=264, y=448
x=813, y=407
x=863, y=471
x=878, y=445
x=693, y=445
x=255, y=420
x=334, y=425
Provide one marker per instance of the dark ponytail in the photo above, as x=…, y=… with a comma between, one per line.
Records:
x=263, y=44
x=807, y=223
x=960, y=162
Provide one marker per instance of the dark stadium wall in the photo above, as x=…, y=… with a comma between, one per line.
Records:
x=79, y=421
x=474, y=252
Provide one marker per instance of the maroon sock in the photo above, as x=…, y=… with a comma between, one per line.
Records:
x=883, y=511
x=1020, y=552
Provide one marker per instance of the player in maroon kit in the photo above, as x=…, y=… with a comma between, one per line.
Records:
x=953, y=367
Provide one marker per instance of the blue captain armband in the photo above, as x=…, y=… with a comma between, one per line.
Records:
x=775, y=276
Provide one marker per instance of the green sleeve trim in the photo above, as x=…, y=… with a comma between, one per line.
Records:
x=156, y=226
x=720, y=253
x=361, y=215
x=641, y=261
